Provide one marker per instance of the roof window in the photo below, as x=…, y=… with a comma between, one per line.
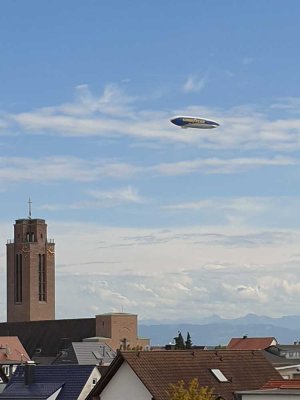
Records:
x=219, y=375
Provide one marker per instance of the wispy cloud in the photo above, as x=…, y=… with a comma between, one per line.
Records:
x=128, y=194
x=101, y=199
x=235, y=211
x=221, y=166
x=112, y=102
x=288, y=104
x=116, y=114
x=241, y=210
x=58, y=169
x=194, y=84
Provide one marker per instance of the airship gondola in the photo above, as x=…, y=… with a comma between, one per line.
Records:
x=194, y=122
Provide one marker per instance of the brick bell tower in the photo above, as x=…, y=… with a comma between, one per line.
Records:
x=30, y=272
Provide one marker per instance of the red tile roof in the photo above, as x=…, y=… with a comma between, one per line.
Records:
x=282, y=384
x=12, y=350
x=245, y=370
x=255, y=343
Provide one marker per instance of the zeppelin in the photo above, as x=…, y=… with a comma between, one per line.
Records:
x=194, y=122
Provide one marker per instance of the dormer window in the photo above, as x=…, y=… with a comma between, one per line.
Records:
x=219, y=375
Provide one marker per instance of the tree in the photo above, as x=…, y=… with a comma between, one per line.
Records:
x=188, y=342
x=179, y=342
x=192, y=391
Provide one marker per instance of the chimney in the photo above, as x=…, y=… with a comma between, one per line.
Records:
x=29, y=372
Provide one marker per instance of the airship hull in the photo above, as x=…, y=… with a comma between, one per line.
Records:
x=194, y=122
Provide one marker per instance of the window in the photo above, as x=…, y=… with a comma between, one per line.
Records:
x=5, y=369
x=18, y=279
x=219, y=375
x=42, y=278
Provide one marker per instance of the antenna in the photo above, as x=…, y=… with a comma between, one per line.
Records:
x=29, y=208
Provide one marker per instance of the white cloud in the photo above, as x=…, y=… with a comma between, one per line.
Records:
x=194, y=84
x=55, y=169
x=114, y=113
x=221, y=166
x=65, y=168
x=101, y=199
x=127, y=194
x=237, y=211
x=175, y=270
x=107, y=269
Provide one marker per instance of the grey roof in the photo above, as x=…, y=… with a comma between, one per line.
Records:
x=273, y=355
x=86, y=353
x=93, y=353
x=46, y=380
x=36, y=390
x=288, y=347
x=47, y=338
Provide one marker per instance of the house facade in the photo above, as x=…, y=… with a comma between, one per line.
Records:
x=147, y=375
x=12, y=354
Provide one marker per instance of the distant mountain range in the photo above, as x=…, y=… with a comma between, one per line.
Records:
x=214, y=330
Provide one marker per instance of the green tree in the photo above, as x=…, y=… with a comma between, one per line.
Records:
x=192, y=391
x=188, y=342
x=179, y=342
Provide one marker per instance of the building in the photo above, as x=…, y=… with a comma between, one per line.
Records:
x=30, y=272
x=12, y=354
x=86, y=353
x=119, y=331
x=31, y=301
x=147, y=375
x=55, y=382
x=251, y=343
x=279, y=390
x=44, y=340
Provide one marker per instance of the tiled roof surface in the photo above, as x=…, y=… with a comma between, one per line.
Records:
x=245, y=343
x=11, y=349
x=282, y=384
x=243, y=369
x=36, y=390
x=47, y=378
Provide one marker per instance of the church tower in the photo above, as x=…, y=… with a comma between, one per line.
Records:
x=30, y=272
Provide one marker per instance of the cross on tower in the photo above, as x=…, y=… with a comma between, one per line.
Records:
x=29, y=208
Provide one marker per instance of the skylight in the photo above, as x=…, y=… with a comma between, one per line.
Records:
x=219, y=375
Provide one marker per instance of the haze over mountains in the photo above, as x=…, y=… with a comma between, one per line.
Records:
x=214, y=330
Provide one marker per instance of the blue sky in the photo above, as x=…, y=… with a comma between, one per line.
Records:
x=149, y=218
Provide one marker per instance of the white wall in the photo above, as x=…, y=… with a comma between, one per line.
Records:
x=125, y=385
x=89, y=384
x=55, y=394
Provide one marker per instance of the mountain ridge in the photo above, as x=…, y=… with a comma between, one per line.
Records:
x=215, y=330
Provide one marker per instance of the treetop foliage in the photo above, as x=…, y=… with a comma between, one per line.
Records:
x=191, y=391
